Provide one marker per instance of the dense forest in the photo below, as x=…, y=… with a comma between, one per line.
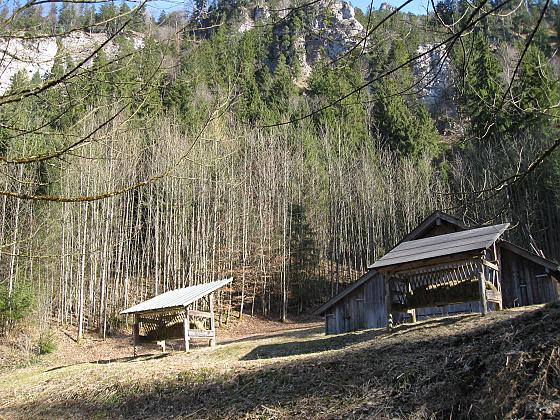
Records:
x=195, y=149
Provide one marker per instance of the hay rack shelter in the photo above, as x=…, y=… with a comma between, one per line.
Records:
x=441, y=270
x=187, y=312
x=443, y=267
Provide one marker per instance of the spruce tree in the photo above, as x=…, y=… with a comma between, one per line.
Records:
x=399, y=120
x=536, y=93
x=483, y=92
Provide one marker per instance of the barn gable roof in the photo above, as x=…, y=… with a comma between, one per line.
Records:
x=429, y=222
x=537, y=259
x=442, y=245
x=177, y=298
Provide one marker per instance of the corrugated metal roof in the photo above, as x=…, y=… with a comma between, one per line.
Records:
x=178, y=298
x=438, y=246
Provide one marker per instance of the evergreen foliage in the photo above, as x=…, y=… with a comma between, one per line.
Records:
x=536, y=93
x=483, y=91
x=47, y=343
x=14, y=306
x=401, y=120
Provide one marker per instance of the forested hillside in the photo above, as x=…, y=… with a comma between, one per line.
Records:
x=283, y=143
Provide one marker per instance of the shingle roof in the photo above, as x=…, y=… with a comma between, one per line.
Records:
x=177, y=298
x=437, y=246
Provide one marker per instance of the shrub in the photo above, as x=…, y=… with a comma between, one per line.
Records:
x=47, y=343
x=14, y=307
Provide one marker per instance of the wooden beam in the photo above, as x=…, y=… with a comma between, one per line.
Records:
x=148, y=320
x=431, y=263
x=201, y=314
x=426, y=267
x=491, y=265
x=212, y=321
x=168, y=310
x=498, y=256
x=135, y=333
x=201, y=333
x=186, y=329
x=412, y=313
x=388, y=303
x=482, y=290
x=493, y=296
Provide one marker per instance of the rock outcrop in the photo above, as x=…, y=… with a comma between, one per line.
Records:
x=434, y=73
x=332, y=29
x=335, y=29
x=386, y=7
x=38, y=56
x=433, y=70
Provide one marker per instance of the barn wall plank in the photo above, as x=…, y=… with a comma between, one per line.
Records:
x=524, y=282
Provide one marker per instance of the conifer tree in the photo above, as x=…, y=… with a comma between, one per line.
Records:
x=536, y=93
x=483, y=91
x=67, y=17
x=282, y=86
x=403, y=123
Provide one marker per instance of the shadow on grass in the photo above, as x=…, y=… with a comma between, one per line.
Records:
x=416, y=375
x=125, y=359
x=292, y=348
x=295, y=333
x=428, y=324
x=339, y=341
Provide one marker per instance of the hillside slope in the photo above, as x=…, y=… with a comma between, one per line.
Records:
x=505, y=365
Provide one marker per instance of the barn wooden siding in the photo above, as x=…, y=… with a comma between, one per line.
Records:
x=363, y=308
x=453, y=309
x=524, y=282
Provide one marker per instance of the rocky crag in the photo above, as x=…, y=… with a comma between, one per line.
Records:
x=331, y=29
x=38, y=56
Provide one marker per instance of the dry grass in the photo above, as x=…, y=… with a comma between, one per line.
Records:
x=506, y=365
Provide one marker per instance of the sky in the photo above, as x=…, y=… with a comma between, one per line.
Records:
x=417, y=6
x=155, y=7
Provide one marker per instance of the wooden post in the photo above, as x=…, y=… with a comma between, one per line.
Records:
x=186, y=325
x=388, y=302
x=482, y=289
x=499, y=275
x=136, y=332
x=412, y=312
x=212, y=325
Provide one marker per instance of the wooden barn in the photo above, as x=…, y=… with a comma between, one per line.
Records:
x=443, y=267
x=186, y=313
